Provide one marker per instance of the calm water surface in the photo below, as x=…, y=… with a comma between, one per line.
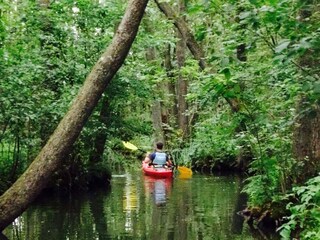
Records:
x=139, y=207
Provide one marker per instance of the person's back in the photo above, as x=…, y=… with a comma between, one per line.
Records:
x=159, y=157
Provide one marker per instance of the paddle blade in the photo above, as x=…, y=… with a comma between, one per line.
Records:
x=185, y=172
x=130, y=146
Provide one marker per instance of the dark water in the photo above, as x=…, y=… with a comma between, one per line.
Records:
x=138, y=207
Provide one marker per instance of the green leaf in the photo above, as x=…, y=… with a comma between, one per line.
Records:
x=244, y=15
x=282, y=46
x=201, y=33
x=306, y=86
x=265, y=8
x=195, y=9
x=316, y=88
x=227, y=73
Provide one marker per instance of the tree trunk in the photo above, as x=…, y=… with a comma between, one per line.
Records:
x=182, y=84
x=17, y=198
x=170, y=113
x=173, y=111
x=307, y=140
x=245, y=155
x=157, y=121
x=98, y=175
x=157, y=112
x=101, y=137
x=306, y=144
x=157, y=109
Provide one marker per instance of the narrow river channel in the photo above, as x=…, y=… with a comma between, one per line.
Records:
x=139, y=207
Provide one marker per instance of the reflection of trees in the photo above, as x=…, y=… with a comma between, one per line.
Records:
x=158, y=223
x=203, y=208
x=183, y=209
x=40, y=220
x=96, y=204
x=240, y=204
x=55, y=217
x=197, y=208
x=66, y=218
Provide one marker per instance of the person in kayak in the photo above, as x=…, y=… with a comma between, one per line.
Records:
x=159, y=158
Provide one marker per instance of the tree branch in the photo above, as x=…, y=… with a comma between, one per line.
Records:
x=186, y=33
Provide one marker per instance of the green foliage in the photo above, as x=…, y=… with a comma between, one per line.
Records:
x=305, y=215
x=267, y=85
x=11, y=164
x=46, y=53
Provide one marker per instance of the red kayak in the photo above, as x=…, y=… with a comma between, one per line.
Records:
x=156, y=172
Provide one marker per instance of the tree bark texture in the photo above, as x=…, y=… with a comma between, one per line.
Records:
x=307, y=141
x=157, y=121
x=170, y=113
x=173, y=111
x=182, y=84
x=17, y=198
x=156, y=109
x=306, y=144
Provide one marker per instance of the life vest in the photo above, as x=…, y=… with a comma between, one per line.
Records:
x=160, y=158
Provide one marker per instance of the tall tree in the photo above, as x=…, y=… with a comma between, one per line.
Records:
x=182, y=83
x=193, y=45
x=17, y=198
x=158, y=133
x=198, y=53
x=101, y=137
x=307, y=128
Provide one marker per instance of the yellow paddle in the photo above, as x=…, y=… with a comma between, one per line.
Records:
x=184, y=171
x=130, y=146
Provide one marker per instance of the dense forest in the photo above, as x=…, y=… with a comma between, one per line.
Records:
x=226, y=85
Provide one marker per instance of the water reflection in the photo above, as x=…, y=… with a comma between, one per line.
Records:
x=130, y=202
x=138, y=207
x=158, y=188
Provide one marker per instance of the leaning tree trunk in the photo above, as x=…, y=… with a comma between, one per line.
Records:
x=17, y=198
